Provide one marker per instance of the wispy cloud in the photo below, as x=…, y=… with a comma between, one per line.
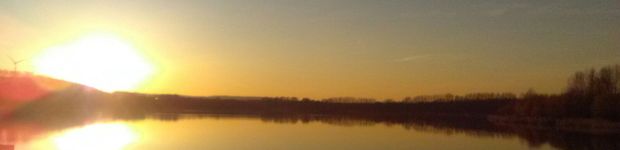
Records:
x=412, y=58
x=554, y=7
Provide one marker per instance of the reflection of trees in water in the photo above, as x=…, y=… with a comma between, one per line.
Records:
x=470, y=126
x=473, y=126
x=73, y=107
x=566, y=140
x=332, y=120
x=15, y=131
x=448, y=125
x=12, y=134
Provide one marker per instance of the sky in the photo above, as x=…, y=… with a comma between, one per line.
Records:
x=330, y=48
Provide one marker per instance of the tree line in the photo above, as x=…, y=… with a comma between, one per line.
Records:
x=590, y=94
x=593, y=93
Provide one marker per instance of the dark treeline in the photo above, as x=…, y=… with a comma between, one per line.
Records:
x=591, y=94
x=472, y=107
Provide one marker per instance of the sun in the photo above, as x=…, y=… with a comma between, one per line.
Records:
x=99, y=60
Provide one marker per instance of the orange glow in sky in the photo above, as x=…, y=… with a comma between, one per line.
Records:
x=315, y=49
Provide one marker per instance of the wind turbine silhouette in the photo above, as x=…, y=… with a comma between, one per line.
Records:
x=15, y=63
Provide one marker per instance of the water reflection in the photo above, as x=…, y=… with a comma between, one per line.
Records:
x=474, y=127
x=118, y=131
x=99, y=136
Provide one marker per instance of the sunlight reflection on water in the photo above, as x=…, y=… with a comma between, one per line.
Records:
x=264, y=133
x=103, y=136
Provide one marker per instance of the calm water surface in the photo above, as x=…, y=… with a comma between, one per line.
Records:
x=247, y=133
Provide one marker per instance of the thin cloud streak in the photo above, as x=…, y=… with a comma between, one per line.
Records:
x=412, y=58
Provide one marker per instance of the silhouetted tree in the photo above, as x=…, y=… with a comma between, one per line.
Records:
x=590, y=93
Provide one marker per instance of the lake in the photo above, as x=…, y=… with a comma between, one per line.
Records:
x=229, y=132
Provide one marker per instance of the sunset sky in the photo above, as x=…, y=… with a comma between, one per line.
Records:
x=327, y=48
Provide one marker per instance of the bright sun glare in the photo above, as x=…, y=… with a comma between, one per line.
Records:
x=110, y=136
x=100, y=60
